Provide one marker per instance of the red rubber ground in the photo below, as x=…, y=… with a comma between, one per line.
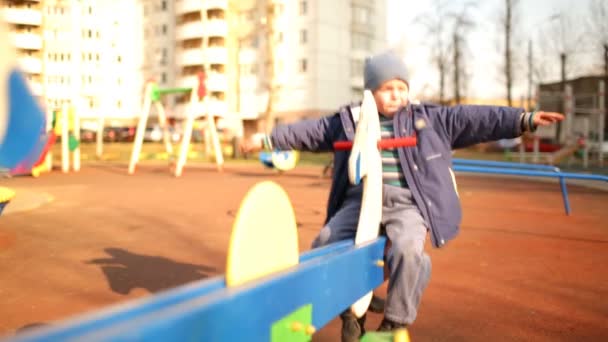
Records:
x=520, y=270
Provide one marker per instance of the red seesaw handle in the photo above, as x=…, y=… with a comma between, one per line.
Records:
x=382, y=144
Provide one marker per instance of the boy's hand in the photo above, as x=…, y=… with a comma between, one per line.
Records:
x=546, y=118
x=253, y=144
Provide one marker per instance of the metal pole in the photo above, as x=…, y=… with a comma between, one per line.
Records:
x=530, y=73
x=558, y=127
x=602, y=121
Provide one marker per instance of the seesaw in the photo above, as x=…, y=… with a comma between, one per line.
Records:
x=267, y=294
x=365, y=165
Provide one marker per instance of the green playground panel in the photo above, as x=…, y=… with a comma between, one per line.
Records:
x=378, y=337
x=156, y=92
x=283, y=329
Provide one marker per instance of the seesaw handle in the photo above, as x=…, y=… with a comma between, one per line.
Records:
x=382, y=144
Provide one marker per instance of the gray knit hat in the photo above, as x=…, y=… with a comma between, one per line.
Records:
x=383, y=67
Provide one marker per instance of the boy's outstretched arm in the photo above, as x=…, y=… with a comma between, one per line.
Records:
x=471, y=124
x=546, y=118
x=315, y=135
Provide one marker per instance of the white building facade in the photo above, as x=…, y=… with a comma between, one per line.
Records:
x=25, y=22
x=93, y=57
x=319, y=50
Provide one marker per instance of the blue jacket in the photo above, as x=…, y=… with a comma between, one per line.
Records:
x=427, y=167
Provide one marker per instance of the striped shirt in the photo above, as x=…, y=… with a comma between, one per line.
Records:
x=392, y=173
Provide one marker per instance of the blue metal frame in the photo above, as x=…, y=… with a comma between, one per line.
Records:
x=330, y=278
x=527, y=170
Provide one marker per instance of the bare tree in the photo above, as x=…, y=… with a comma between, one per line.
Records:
x=272, y=37
x=460, y=28
x=598, y=27
x=598, y=30
x=508, y=23
x=434, y=22
x=564, y=38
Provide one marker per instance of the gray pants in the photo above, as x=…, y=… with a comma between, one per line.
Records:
x=409, y=265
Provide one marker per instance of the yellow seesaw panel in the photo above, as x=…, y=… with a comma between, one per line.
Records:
x=264, y=235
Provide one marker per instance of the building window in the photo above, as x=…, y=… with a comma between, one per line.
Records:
x=302, y=65
x=118, y=104
x=303, y=7
x=163, y=5
x=361, y=15
x=360, y=41
x=356, y=67
x=163, y=77
x=164, y=29
x=303, y=36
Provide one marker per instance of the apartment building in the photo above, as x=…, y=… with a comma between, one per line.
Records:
x=25, y=25
x=92, y=57
x=158, y=41
x=307, y=56
x=201, y=33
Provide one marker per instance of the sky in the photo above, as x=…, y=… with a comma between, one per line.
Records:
x=484, y=58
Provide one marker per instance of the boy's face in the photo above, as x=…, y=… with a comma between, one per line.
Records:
x=391, y=96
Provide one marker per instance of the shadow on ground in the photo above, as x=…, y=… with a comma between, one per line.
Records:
x=126, y=271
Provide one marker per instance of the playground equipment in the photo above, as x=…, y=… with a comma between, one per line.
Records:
x=280, y=160
x=365, y=165
x=268, y=293
x=21, y=120
x=526, y=170
x=63, y=123
x=67, y=125
x=6, y=195
x=197, y=104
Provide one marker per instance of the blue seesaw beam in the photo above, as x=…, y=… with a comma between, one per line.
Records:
x=330, y=279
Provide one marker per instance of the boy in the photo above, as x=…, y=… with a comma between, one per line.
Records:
x=419, y=191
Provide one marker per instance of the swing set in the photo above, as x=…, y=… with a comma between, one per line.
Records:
x=197, y=105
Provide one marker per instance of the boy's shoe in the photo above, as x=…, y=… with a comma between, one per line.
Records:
x=352, y=327
x=388, y=325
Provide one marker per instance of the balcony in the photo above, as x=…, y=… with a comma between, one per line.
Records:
x=36, y=88
x=187, y=81
x=23, y=16
x=216, y=28
x=187, y=6
x=215, y=4
x=216, y=55
x=217, y=82
x=27, y=41
x=217, y=107
x=190, y=57
x=189, y=30
x=30, y=65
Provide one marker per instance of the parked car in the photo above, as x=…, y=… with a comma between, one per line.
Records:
x=153, y=134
